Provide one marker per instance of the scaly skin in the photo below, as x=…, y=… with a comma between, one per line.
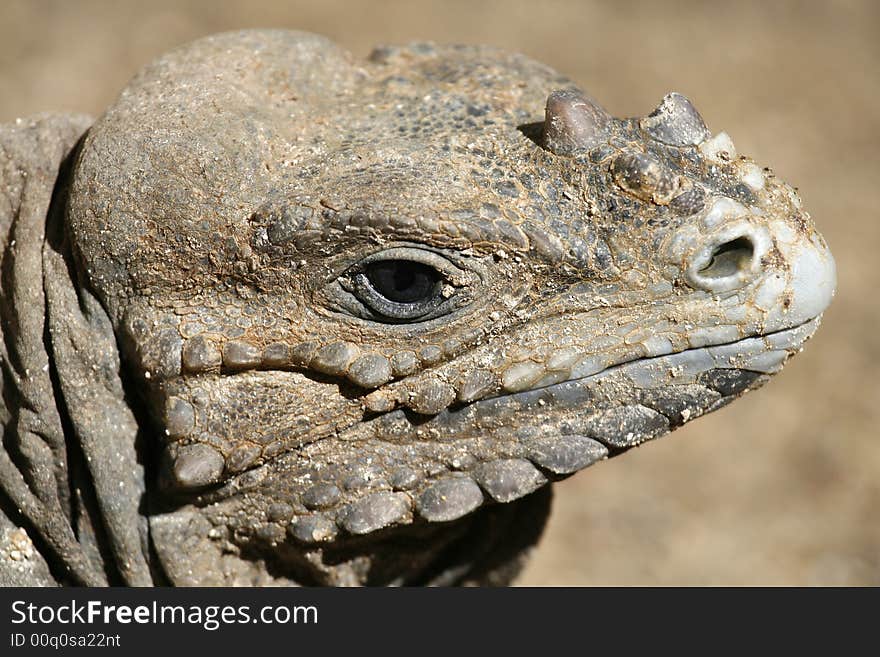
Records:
x=593, y=283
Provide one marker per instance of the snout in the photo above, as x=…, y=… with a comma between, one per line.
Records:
x=811, y=274
x=780, y=269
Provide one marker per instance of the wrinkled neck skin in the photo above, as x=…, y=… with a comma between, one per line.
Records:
x=593, y=283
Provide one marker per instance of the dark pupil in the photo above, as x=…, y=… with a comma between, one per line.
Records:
x=403, y=281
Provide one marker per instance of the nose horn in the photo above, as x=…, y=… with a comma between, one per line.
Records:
x=676, y=121
x=573, y=122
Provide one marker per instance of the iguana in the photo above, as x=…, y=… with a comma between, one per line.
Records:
x=284, y=317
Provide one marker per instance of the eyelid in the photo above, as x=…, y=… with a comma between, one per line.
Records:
x=447, y=269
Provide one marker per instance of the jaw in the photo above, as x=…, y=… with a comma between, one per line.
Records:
x=400, y=470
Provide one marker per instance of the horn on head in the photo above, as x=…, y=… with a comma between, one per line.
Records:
x=573, y=122
x=676, y=122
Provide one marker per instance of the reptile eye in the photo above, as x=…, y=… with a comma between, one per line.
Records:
x=404, y=284
x=403, y=281
x=401, y=290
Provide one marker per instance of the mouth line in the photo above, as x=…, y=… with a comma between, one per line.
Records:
x=810, y=324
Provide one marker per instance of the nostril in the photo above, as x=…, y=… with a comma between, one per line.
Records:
x=729, y=258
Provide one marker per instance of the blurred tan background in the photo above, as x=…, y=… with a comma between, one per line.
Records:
x=782, y=487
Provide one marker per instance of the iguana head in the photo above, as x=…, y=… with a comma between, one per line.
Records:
x=363, y=295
